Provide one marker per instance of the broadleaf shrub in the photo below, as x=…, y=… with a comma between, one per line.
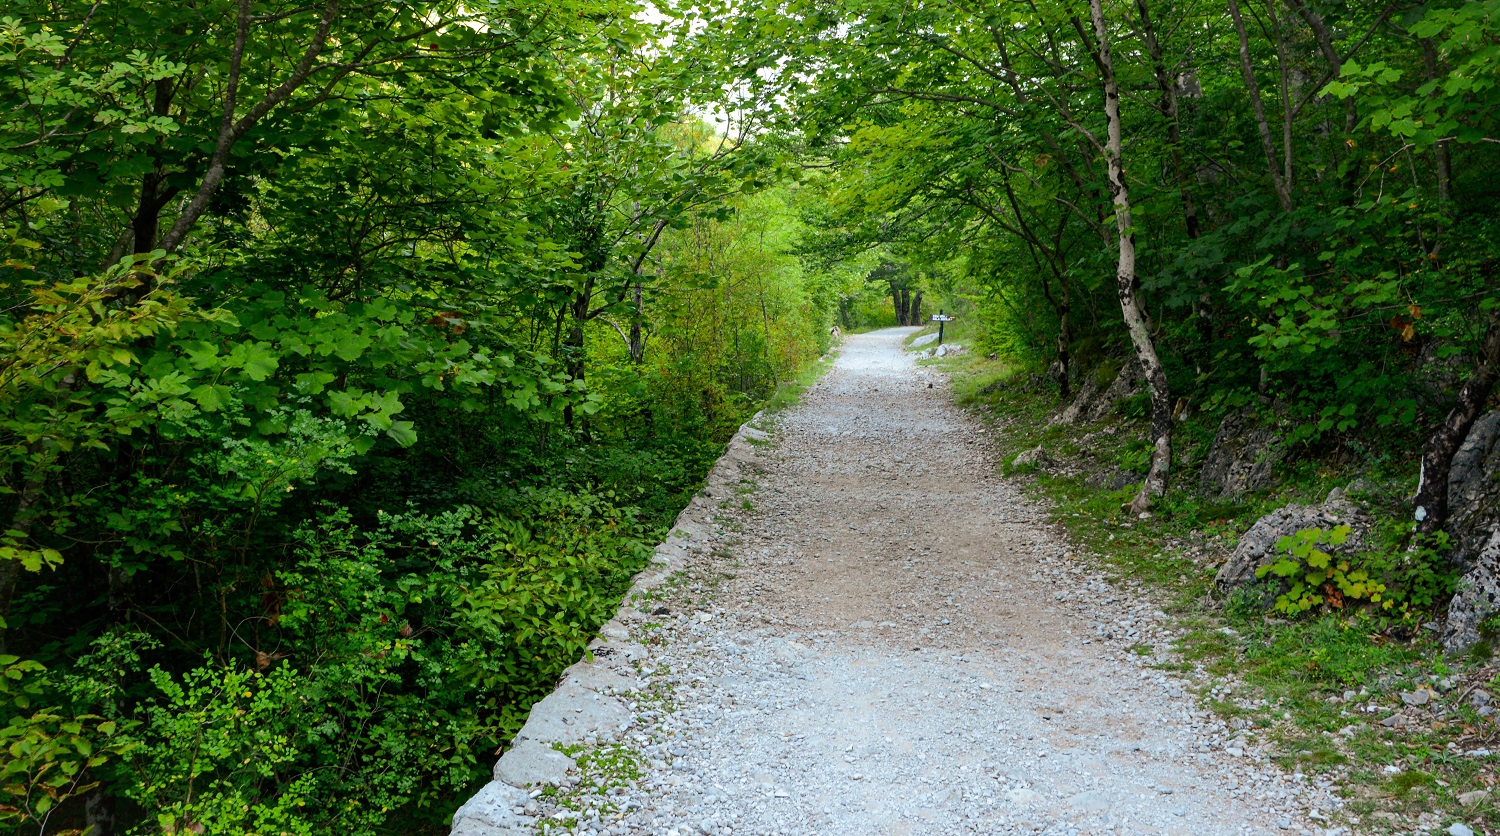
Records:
x=1396, y=582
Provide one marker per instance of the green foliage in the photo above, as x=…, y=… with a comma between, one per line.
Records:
x=1315, y=577
x=423, y=636
x=1457, y=105
x=52, y=755
x=1401, y=583
x=329, y=438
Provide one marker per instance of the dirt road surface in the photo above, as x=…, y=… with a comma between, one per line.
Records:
x=886, y=638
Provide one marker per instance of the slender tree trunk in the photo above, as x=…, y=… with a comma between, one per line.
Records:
x=147, y=216
x=232, y=129
x=1283, y=87
x=1430, y=507
x=1440, y=149
x=1135, y=320
x=1335, y=62
x=1053, y=259
x=637, y=339
x=1064, y=352
x=900, y=299
x=916, y=309
x=1247, y=70
x=155, y=193
x=573, y=347
x=1167, y=86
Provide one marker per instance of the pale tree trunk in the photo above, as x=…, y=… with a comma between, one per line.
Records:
x=1431, y=504
x=1283, y=193
x=1135, y=320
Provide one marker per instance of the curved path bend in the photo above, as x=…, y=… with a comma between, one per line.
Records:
x=886, y=638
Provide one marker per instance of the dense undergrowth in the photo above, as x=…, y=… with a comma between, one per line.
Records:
x=333, y=428
x=1327, y=678
x=352, y=357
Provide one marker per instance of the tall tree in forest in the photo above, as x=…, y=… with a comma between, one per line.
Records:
x=1128, y=286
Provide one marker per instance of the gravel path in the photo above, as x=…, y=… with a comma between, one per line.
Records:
x=885, y=638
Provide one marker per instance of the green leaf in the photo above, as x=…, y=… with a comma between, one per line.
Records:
x=402, y=433
x=212, y=397
x=201, y=355
x=1285, y=568
x=258, y=361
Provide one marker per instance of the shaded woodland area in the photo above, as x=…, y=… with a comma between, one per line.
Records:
x=1274, y=222
x=352, y=357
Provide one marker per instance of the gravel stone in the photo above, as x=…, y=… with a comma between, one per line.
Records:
x=875, y=522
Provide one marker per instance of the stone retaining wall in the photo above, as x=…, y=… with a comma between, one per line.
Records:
x=583, y=709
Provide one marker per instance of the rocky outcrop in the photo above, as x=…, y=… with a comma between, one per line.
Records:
x=1072, y=413
x=1243, y=457
x=1474, y=526
x=1095, y=402
x=1126, y=384
x=1478, y=598
x=1034, y=459
x=1257, y=547
x=585, y=707
x=1474, y=489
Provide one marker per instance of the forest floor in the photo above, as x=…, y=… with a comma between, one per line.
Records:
x=888, y=637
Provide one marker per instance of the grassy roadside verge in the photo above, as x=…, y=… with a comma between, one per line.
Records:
x=1314, y=690
x=789, y=393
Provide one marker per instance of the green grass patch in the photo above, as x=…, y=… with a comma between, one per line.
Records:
x=789, y=393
